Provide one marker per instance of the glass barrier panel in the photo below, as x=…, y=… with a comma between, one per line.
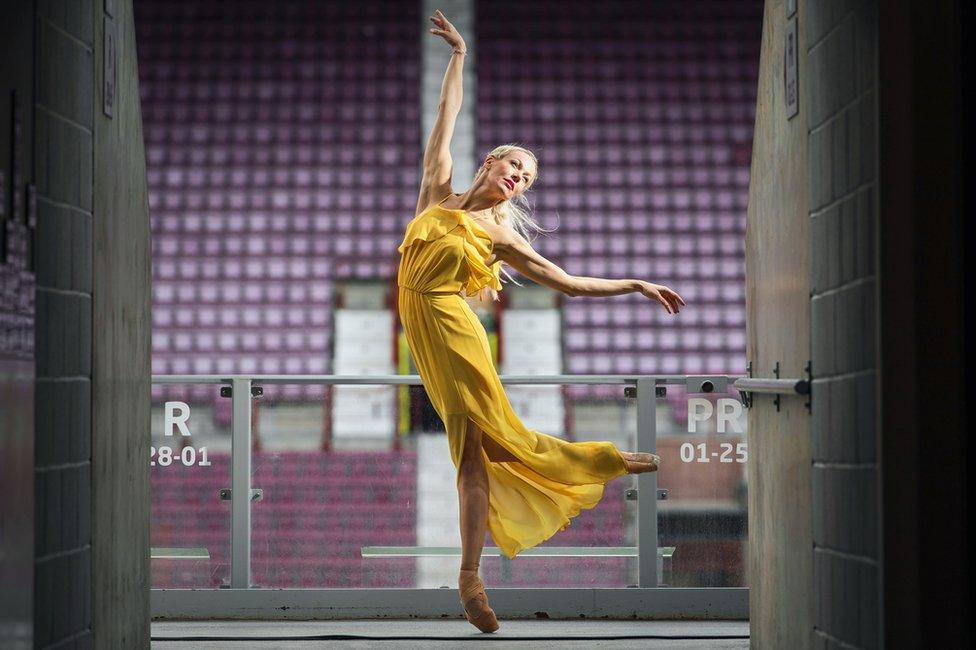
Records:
x=359, y=491
x=701, y=439
x=336, y=476
x=189, y=460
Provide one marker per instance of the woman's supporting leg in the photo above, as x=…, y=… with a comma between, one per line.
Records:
x=472, y=498
x=497, y=453
x=473, y=501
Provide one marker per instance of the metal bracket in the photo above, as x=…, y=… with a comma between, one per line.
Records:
x=776, y=399
x=631, y=494
x=706, y=384
x=745, y=396
x=659, y=391
x=228, y=391
x=257, y=494
x=809, y=401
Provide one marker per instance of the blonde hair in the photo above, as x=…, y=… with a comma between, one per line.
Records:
x=514, y=213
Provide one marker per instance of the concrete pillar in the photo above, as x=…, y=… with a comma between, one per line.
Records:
x=780, y=572
x=120, y=339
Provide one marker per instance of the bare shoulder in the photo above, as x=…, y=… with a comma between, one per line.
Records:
x=430, y=195
x=429, y=198
x=505, y=238
x=511, y=237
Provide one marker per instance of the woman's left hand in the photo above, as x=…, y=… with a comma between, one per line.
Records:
x=664, y=295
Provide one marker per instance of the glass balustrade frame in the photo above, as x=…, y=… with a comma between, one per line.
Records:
x=242, y=600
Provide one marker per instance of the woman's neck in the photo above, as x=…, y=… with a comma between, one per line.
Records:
x=477, y=203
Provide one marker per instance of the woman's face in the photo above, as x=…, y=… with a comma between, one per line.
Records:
x=511, y=174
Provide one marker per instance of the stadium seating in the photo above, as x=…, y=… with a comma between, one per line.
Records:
x=283, y=156
x=264, y=165
x=641, y=115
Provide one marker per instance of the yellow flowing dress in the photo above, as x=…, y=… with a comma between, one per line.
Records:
x=443, y=252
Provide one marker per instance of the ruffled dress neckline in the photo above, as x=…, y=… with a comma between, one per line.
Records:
x=465, y=213
x=436, y=221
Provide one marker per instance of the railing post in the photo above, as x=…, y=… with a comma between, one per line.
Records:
x=647, y=484
x=240, y=511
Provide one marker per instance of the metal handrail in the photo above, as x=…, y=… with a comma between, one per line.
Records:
x=415, y=379
x=494, y=551
x=775, y=386
x=772, y=386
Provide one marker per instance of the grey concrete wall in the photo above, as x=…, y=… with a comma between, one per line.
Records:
x=780, y=560
x=924, y=172
x=120, y=350
x=62, y=142
x=839, y=95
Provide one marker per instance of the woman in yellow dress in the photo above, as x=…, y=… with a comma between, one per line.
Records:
x=522, y=484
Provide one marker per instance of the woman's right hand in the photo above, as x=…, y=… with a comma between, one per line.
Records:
x=446, y=30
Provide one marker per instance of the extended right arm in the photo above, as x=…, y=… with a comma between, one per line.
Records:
x=438, y=164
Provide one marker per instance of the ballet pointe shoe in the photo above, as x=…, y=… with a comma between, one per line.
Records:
x=475, y=601
x=638, y=463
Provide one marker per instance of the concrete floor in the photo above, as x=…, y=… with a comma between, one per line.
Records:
x=295, y=635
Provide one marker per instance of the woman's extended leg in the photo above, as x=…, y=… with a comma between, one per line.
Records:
x=473, y=502
x=638, y=463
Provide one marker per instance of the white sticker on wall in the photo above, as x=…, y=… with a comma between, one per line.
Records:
x=790, y=65
x=108, y=66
